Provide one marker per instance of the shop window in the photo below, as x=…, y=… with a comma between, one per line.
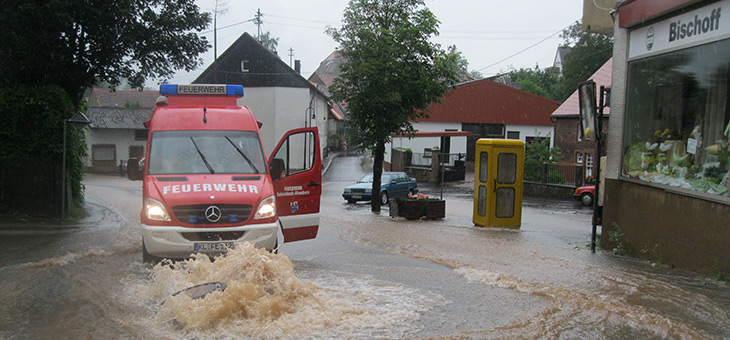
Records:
x=678, y=115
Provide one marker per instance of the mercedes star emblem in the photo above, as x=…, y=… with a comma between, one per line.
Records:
x=213, y=213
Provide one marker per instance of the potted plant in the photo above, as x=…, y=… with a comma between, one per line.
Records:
x=417, y=206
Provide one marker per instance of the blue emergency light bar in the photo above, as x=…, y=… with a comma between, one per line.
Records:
x=201, y=89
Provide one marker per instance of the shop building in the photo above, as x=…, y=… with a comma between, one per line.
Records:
x=666, y=190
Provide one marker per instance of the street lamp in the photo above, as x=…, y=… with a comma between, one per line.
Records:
x=78, y=122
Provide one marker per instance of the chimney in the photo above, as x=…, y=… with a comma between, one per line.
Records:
x=298, y=66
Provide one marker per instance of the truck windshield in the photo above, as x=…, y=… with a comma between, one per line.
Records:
x=205, y=152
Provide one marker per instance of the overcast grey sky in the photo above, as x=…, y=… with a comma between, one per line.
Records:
x=486, y=32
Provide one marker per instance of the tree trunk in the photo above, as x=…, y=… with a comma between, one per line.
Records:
x=377, y=173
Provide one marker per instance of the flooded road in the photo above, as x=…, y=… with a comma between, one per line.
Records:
x=365, y=276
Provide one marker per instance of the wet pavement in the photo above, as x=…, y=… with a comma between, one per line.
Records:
x=365, y=276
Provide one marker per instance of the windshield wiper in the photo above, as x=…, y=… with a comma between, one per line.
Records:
x=240, y=152
x=210, y=168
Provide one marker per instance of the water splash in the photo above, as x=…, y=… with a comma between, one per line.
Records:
x=265, y=299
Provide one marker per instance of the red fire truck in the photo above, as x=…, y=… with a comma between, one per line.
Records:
x=208, y=185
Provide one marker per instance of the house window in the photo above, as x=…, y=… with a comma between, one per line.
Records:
x=579, y=157
x=589, y=164
x=103, y=155
x=445, y=144
x=513, y=135
x=679, y=117
x=140, y=134
x=244, y=65
x=103, y=152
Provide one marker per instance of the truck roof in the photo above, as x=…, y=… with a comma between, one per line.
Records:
x=203, y=118
x=201, y=107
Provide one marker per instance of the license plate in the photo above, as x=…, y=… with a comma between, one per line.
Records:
x=356, y=196
x=218, y=247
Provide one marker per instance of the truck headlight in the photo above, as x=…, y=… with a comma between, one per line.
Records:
x=266, y=209
x=155, y=210
x=367, y=191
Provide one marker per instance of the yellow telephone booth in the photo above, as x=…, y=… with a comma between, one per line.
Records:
x=498, y=182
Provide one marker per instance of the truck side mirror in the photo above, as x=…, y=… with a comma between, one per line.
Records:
x=276, y=168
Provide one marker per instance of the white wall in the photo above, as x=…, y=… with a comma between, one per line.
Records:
x=458, y=144
x=614, y=148
x=281, y=109
x=533, y=131
x=418, y=144
x=123, y=139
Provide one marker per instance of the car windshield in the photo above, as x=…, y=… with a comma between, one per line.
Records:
x=205, y=152
x=369, y=179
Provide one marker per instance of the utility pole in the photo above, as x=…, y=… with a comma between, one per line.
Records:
x=215, y=44
x=258, y=23
x=291, y=56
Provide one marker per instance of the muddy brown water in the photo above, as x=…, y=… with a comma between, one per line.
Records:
x=536, y=282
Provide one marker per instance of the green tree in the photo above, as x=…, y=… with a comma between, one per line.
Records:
x=538, y=152
x=74, y=44
x=57, y=49
x=461, y=65
x=269, y=42
x=540, y=82
x=392, y=72
x=589, y=51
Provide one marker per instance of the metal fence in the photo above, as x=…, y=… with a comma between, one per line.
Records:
x=556, y=174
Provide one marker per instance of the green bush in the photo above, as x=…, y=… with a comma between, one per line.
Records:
x=33, y=129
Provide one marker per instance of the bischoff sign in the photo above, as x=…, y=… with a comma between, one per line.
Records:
x=692, y=28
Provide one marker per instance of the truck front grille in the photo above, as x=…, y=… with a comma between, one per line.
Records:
x=196, y=214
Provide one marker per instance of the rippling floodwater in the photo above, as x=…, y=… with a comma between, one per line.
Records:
x=366, y=276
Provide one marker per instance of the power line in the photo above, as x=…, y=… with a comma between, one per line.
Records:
x=520, y=52
x=302, y=19
x=228, y=26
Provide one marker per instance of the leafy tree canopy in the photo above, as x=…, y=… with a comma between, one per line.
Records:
x=461, y=65
x=269, y=41
x=589, y=51
x=542, y=82
x=73, y=44
x=392, y=71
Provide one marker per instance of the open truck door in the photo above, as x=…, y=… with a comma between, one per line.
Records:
x=296, y=171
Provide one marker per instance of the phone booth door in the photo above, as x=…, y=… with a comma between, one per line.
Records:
x=499, y=182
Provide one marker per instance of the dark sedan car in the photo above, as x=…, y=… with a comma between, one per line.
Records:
x=392, y=184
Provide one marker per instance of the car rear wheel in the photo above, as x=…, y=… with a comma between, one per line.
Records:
x=384, y=198
x=586, y=199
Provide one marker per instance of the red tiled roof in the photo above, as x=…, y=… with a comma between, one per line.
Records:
x=602, y=77
x=488, y=102
x=122, y=98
